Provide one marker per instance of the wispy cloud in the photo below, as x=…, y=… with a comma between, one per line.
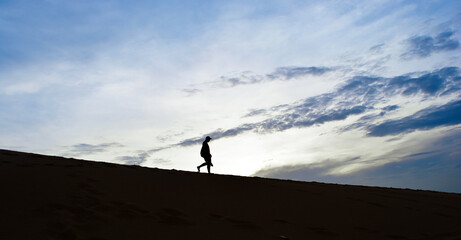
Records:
x=424, y=46
x=357, y=96
x=142, y=156
x=287, y=73
x=134, y=160
x=246, y=78
x=83, y=149
x=432, y=117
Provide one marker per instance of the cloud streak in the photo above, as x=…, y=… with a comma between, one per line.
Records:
x=247, y=78
x=432, y=117
x=424, y=46
x=88, y=149
x=357, y=96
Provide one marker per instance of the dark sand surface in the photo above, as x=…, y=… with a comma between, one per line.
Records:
x=45, y=197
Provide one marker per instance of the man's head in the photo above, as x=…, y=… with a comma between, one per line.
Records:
x=208, y=138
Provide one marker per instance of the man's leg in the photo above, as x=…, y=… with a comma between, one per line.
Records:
x=208, y=163
x=203, y=164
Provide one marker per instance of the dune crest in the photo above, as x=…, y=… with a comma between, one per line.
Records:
x=45, y=197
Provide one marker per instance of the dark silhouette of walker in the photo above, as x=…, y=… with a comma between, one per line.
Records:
x=205, y=153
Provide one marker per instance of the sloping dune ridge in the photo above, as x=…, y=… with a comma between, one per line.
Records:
x=44, y=197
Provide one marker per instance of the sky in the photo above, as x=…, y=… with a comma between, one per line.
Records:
x=348, y=92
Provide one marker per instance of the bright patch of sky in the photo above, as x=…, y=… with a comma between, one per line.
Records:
x=359, y=92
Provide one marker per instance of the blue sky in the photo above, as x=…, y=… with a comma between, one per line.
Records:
x=352, y=92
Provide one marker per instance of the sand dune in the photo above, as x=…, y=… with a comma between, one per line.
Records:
x=47, y=197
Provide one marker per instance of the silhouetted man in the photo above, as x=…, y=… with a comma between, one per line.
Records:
x=205, y=153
